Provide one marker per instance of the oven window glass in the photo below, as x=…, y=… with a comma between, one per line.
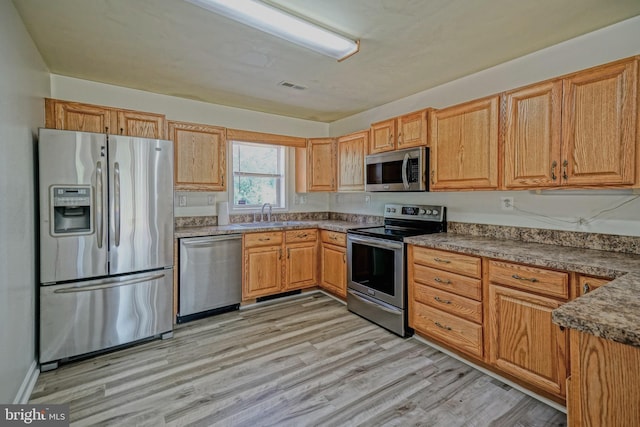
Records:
x=373, y=267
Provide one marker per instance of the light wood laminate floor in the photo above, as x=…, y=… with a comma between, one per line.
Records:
x=300, y=362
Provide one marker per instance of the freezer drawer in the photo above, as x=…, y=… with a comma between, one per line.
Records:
x=83, y=317
x=210, y=273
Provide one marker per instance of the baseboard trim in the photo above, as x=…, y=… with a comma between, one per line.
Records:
x=548, y=402
x=29, y=382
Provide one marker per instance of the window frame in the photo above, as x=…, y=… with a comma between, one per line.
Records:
x=283, y=176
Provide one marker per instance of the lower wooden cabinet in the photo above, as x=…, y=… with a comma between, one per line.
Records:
x=276, y=262
x=522, y=339
x=333, y=262
x=604, y=385
x=444, y=305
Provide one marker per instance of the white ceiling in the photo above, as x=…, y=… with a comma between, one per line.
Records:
x=407, y=46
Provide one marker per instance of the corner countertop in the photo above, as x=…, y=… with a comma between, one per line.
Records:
x=332, y=225
x=611, y=311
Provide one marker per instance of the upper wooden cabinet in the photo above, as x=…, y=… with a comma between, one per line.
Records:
x=383, y=136
x=351, y=151
x=95, y=118
x=200, y=156
x=599, y=125
x=464, y=146
x=412, y=129
x=532, y=136
x=409, y=130
x=146, y=125
x=80, y=117
x=577, y=131
x=321, y=164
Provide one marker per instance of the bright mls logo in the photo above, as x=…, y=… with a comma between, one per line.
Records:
x=34, y=415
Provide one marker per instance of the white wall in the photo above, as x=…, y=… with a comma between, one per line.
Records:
x=24, y=81
x=198, y=112
x=561, y=211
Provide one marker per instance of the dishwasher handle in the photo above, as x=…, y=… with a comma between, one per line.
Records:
x=201, y=242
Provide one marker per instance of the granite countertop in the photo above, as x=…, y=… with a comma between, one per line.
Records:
x=340, y=226
x=611, y=312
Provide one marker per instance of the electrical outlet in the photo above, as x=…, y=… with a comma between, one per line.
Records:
x=303, y=200
x=367, y=199
x=182, y=201
x=506, y=203
x=296, y=199
x=211, y=199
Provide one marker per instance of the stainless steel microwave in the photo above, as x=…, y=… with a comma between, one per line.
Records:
x=400, y=170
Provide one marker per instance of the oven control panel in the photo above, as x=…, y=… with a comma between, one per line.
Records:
x=415, y=212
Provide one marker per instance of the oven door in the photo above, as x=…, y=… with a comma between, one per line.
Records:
x=375, y=268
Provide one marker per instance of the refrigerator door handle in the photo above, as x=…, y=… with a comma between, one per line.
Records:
x=116, y=201
x=99, y=206
x=109, y=284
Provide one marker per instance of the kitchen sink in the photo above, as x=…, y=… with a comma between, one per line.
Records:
x=270, y=224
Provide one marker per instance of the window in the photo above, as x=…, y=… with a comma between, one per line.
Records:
x=258, y=175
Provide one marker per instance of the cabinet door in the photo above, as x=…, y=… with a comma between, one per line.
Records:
x=524, y=342
x=599, y=126
x=200, y=156
x=351, y=151
x=532, y=136
x=80, y=117
x=464, y=146
x=383, y=135
x=412, y=130
x=333, y=260
x=301, y=265
x=322, y=164
x=262, y=271
x=145, y=125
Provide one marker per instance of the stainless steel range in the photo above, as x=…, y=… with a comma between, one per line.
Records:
x=376, y=267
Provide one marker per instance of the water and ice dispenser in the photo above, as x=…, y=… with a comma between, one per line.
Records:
x=71, y=208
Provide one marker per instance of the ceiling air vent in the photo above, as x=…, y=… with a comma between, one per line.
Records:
x=291, y=85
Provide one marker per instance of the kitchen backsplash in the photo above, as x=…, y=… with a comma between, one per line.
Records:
x=576, y=239
x=357, y=218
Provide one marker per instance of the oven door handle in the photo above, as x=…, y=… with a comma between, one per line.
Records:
x=405, y=177
x=373, y=303
x=372, y=241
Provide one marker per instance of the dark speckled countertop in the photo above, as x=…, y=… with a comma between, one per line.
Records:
x=612, y=311
x=333, y=225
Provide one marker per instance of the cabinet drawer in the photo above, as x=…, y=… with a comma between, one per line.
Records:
x=333, y=237
x=459, y=333
x=547, y=282
x=449, y=261
x=450, y=282
x=454, y=304
x=306, y=235
x=252, y=240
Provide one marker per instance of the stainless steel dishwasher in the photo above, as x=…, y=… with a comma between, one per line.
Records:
x=210, y=276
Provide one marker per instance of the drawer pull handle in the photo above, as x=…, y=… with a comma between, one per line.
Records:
x=302, y=236
x=439, y=280
x=586, y=288
x=443, y=301
x=439, y=325
x=528, y=279
x=444, y=261
x=264, y=239
x=333, y=237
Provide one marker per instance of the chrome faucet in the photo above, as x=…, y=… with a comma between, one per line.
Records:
x=268, y=213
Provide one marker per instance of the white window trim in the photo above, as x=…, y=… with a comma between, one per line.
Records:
x=286, y=181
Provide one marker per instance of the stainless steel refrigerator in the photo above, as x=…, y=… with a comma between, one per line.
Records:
x=106, y=242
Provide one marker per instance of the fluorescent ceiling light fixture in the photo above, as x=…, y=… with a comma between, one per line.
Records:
x=281, y=24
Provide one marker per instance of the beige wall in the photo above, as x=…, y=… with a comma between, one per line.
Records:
x=562, y=210
x=24, y=81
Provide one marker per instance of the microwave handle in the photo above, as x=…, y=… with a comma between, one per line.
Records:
x=405, y=163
